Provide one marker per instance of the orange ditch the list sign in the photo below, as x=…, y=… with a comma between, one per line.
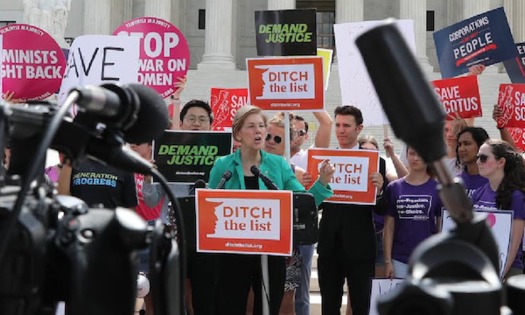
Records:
x=286, y=83
x=351, y=181
x=244, y=221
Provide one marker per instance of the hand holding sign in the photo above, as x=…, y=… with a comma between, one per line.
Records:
x=326, y=172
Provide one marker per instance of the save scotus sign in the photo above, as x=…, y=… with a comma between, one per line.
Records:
x=511, y=101
x=286, y=32
x=164, y=53
x=483, y=39
x=459, y=96
x=33, y=63
x=224, y=104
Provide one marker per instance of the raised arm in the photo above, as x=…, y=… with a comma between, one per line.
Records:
x=324, y=132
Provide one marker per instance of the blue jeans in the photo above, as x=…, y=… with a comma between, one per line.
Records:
x=302, y=293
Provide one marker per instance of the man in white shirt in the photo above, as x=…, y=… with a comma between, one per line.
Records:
x=299, y=158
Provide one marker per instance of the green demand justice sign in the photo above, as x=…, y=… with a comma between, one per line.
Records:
x=186, y=156
x=286, y=32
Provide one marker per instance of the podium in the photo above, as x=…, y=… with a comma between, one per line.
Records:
x=305, y=220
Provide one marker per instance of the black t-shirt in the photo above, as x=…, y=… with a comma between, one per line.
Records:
x=99, y=184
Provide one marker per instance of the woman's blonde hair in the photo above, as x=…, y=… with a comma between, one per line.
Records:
x=241, y=115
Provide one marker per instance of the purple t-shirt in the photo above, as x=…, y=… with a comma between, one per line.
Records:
x=415, y=210
x=472, y=182
x=485, y=199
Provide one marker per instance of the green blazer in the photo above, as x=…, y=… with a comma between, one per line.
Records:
x=273, y=166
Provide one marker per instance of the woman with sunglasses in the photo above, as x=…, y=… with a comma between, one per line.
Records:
x=240, y=272
x=413, y=214
x=503, y=167
x=470, y=140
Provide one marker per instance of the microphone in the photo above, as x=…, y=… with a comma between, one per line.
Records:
x=199, y=183
x=136, y=110
x=77, y=138
x=267, y=182
x=225, y=177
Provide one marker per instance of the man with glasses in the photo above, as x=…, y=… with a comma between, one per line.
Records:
x=196, y=115
x=299, y=158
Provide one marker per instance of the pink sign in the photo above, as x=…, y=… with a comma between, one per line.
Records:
x=164, y=54
x=33, y=62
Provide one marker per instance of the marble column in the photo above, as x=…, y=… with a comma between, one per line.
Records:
x=416, y=10
x=97, y=17
x=518, y=24
x=349, y=11
x=453, y=12
x=121, y=11
x=218, y=36
x=281, y=4
x=158, y=8
x=469, y=8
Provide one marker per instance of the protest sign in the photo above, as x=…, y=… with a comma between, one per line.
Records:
x=33, y=63
x=244, y=221
x=289, y=83
x=224, y=104
x=482, y=39
x=381, y=287
x=350, y=182
x=186, y=156
x=516, y=67
x=326, y=54
x=164, y=52
x=459, y=96
x=356, y=87
x=511, y=101
x=500, y=223
x=99, y=59
x=518, y=136
x=286, y=32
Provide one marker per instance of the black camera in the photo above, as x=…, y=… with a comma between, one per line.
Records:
x=54, y=248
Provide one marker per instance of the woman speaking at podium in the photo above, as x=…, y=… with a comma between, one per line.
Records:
x=238, y=272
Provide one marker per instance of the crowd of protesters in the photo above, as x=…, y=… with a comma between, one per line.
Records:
x=356, y=242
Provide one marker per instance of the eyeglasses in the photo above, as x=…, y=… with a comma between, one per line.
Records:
x=301, y=132
x=201, y=119
x=482, y=158
x=277, y=139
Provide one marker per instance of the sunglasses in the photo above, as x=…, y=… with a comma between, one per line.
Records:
x=482, y=158
x=276, y=139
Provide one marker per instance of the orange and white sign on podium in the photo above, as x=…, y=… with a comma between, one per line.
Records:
x=244, y=221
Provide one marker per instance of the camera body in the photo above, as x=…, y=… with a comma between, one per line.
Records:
x=62, y=251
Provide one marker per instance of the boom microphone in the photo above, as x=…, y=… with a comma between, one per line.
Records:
x=267, y=182
x=136, y=110
x=225, y=177
x=152, y=119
